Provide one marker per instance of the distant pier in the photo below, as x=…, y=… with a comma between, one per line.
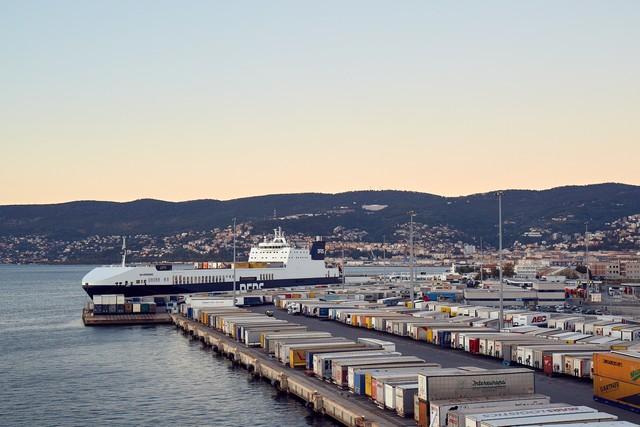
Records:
x=342, y=406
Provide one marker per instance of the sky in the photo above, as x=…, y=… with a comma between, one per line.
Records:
x=124, y=100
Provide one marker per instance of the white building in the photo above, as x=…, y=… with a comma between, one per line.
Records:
x=528, y=268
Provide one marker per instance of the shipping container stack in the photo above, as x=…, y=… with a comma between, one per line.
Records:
x=117, y=304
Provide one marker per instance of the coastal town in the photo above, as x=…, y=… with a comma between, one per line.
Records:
x=433, y=246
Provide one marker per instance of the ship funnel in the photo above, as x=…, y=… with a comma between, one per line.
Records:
x=317, y=250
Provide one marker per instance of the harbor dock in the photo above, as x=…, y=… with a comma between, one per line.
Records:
x=346, y=408
x=91, y=319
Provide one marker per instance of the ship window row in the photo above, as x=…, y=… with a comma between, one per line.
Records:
x=190, y=280
x=266, y=276
x=151, y=280
x=127, y=283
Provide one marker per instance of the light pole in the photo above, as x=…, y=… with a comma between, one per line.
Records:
x=234, y=261
x=411, y=257
x=501, y=322
x=343, y=270
x=384, y=259
x=586, y=250
x=481, y=259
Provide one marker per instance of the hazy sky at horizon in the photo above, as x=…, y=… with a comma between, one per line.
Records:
x=124, y=100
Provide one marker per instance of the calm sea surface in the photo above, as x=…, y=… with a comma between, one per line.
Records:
x=56, y=372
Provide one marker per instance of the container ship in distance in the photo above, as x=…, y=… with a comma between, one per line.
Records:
x=272, y=264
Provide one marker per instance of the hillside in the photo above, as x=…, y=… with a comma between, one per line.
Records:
x=557, y=210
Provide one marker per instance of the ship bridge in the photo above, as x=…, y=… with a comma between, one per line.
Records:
x=277, y=250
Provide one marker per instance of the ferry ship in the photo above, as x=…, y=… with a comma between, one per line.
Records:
x=272, y=264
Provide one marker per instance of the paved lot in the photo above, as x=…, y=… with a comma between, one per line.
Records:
x=560, y=389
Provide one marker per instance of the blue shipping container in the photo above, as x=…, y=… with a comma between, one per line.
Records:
x=446, y=339
x=310, y=359
x=359, y=382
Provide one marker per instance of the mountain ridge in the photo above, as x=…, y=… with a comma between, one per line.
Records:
x=320, y=193
x=474, y=215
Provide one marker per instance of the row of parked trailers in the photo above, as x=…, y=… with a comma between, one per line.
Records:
x=610, y=326
x=407, y=385
x=554, y=350
x=577, y=326
x=355, y=365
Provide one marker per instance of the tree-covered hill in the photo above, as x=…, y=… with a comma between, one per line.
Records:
x=562, y=209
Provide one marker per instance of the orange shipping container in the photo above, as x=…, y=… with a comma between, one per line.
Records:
x=616, y=391
x=617, y=366
x=423, y=413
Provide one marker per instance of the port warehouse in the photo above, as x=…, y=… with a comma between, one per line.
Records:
x=372, y=370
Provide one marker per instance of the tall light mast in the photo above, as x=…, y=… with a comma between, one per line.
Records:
x=481, y=259
x=411, y=259
x=586, y=249
x=384, y=259
x=234, y=261
x=343, y=268
x=501, y=322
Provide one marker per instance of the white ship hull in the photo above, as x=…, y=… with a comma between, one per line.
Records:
x=271, y=265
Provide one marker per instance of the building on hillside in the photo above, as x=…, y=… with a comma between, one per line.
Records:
x=631, y=270
x=528, y=268
x=607, y=270
x=468, y=250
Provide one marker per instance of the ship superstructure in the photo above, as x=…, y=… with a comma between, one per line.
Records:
x=272, y=264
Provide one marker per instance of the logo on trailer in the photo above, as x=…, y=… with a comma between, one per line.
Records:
x=488, y=383
x=538, y=319
x=609, y=387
